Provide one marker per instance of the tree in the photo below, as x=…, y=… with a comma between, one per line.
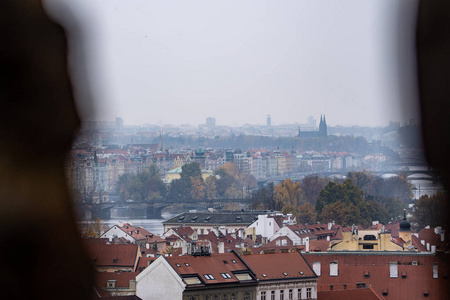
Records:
x=288, y=196
x=95, y=229
x=197, y=188
x=145, y=186
x=264, y=197
x=191, y=170
x=431, y=210
x=345, y=204
x=306, y=214
x=231, y=182
x=311, y=187
x=210, y=187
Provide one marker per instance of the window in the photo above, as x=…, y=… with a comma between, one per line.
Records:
x=233, y=297
x=263, y=295
x=226, y=275
x=393, y=270
x=111, y=284
x=334, y=268
x=331, y=287
x=209, y=276
x=316, y=267
x=282, y=295
x=299, y=294
x=187, y=265
x=272, y=295
x=224, y=297
x=368, y=247
x=366, y=274
x=308, y=292
x=435, y=271
x=291, y=295
x=246, y=296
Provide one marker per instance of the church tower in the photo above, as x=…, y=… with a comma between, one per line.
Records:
x=323, y=127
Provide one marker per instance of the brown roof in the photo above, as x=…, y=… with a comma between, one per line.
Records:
x=415, y=272
x=361, y=293
x=279, y=266
x=214, y=265
x=144, y=262
x=319, y=246
x=112, y=255
x=122, y=279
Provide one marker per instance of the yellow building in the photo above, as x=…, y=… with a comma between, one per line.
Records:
x=365, y=240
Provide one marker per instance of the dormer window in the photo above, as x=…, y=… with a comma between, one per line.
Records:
x=111, y=284
x=115, y=260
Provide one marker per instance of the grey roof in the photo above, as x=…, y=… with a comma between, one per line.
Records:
x=218, y=218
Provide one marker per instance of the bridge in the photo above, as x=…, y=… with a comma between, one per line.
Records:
x=152, y=209
x=421, y=174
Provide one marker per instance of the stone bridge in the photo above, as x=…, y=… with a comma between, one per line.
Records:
x=153, y=209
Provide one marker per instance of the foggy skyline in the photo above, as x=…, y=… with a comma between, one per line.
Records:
x=179, y=62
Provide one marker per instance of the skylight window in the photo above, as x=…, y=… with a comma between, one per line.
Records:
x=209, y=276
x=178, y=265
x=301, y=273
x=187, y=265
x=233, y=261
x=264, y=275
x=285, y=274
x=226, y=275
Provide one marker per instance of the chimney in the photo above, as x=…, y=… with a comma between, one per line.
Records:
x=328, y=238
x=132, y=284
x=330, y=225
x=428, y=246
x=307, y=244
x=442, y=235
x=110, y=238
x=147, y=245
x=437, y=229
x=433, y=249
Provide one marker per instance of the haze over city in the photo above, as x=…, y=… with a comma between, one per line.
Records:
x=180, y=62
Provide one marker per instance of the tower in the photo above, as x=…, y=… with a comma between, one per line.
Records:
x=323, y=127
x=268, y=121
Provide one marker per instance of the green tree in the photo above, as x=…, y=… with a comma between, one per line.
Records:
x=345, y=204
x=192, y=169
x=145, y=186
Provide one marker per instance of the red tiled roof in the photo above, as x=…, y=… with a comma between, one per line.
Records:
x=144, y=262
x=112, y=255
x=319, y=246
x=279, y=266
x=122, y=279
x=415, y=272
x=361, y=293
x=215, y=264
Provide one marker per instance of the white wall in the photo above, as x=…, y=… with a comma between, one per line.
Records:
x=159, y=281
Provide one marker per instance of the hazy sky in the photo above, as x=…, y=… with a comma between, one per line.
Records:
x=176, y=62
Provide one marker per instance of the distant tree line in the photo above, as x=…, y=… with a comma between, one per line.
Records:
x=227, y=182
x=360, y=199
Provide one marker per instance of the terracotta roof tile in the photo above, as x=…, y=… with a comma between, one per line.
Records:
x=112, y=255
x=215, y=265
x=279, y=266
